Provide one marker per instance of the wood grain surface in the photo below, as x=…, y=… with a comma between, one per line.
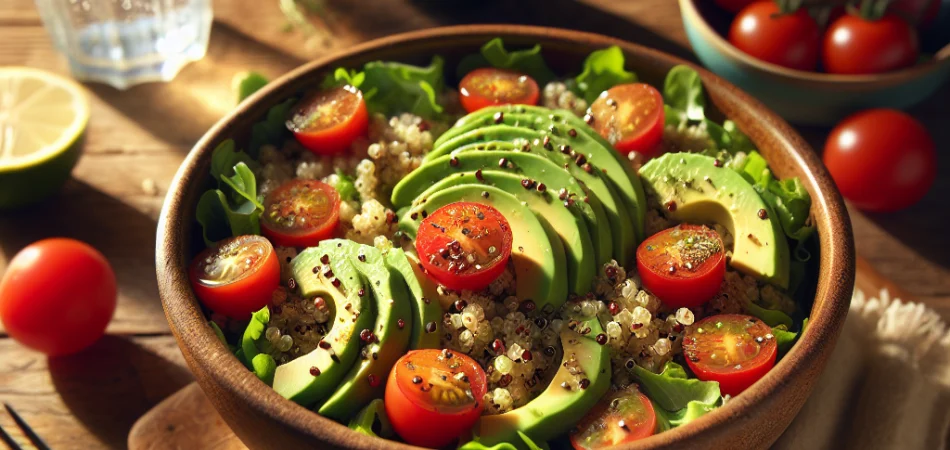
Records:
x=141, y=135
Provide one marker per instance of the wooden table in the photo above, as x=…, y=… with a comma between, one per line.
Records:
x=139, y=137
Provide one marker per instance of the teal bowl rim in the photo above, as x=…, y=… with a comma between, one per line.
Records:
x=691, y=15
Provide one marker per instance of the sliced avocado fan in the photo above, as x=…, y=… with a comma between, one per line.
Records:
x=558, y=149
x=487, y=156
x=566, y=222
x=563, y=123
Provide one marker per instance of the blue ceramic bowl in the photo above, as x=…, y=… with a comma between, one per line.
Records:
x=810, y=98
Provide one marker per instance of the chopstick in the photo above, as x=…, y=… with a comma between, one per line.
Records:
x=30, y=434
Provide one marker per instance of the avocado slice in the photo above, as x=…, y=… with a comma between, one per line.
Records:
x=560, y=122
x=528, y=165
x=367, y=378
x=619, y=218
x=426, y=312
x=537, y=252
x=705, y=193
x=566, y=222
x=557, y=408
x=326, y=270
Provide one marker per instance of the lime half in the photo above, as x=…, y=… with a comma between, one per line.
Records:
x=42, y=120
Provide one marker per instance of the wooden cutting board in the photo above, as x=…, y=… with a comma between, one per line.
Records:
x=188, y=420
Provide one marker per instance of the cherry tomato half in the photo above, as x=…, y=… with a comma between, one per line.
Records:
x=853, y=45
x=733, y=6
x=237, y=276
x=57, y=296
x=733, y=349
x=490, y=86
x=620, y=417
x=327, y=122
x=631, y=117
x=433, y=396
x=881, y=160
x=301, y=213
x=683, y=266
x=789, y=40
x=464, y=245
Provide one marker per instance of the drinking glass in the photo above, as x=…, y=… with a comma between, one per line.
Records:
x=127, y=42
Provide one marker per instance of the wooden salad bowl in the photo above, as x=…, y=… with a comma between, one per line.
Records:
x=264, y=419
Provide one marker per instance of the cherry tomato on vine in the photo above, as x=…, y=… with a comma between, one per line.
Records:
x=854, y=45
x=631, y=117
x=328, y=121
x=489, y=86
x=301, y=213
x=57, y=296
x=433, y=396
x=789, y=40
x=733, y=349
x=237, y=276
x=464, y=245
x=881, y=160
x=683, y=266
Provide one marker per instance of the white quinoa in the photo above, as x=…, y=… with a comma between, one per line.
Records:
x=556, y=95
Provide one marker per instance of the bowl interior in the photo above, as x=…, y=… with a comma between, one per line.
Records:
x=221, y=375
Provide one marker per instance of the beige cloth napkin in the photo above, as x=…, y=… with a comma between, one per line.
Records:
x=886, y=386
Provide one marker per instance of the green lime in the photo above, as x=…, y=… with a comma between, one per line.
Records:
x=42, y=120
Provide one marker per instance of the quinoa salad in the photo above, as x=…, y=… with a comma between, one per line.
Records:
x=494, y=255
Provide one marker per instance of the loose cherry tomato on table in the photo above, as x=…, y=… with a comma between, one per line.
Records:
x=683, y=266
x=733, y=6
x=490, y=86
x=733, y=349
x=328, y=121
x=622, y=416
x=854, y=45
x=464, y=245
x=882, y=160
x=301, y=213
x=237, y=276
x=57, y=296
x=789, y=40
x=433, y=396
x=631, y=117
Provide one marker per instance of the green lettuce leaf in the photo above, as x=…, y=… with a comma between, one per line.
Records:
x=672, y=390
x=391, y=88
x=526, y=442
x=603, y=69
x=244, y=185
x=772, y=317
x=372, y=420
x=272, y=130
x=346, y=186
x=786, y=198
x=264, y=366
x=224, y=157
x=251, y=340
x=678, y=399
x=212, y=218
x=493, y=54
x=343, y=77
x=667, y=420
x=247, y=83
x=683, y=91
